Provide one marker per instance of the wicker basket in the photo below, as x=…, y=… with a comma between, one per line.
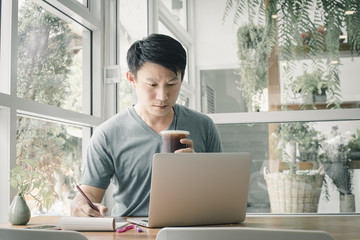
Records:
x=294, y=193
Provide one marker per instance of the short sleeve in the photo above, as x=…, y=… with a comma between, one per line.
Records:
x=99, y=167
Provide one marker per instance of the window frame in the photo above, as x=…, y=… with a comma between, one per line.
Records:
x=165, y=16
x=11, y=105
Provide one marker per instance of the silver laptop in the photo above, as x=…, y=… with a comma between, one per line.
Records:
x=192, y=189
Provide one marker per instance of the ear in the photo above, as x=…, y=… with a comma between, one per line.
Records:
x=131, y=79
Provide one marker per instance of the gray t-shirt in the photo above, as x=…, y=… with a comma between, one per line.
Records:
x=121, y=150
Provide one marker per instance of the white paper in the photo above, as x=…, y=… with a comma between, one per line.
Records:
x=87, y=223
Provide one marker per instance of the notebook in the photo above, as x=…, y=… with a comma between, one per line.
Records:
x=193, y=189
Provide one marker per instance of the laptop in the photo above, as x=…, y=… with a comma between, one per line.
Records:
x=191, y=189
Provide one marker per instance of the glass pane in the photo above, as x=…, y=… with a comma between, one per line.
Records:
x=220, y=93
x=51, y=66
x=4, y=47
x=312, y=64
x=0, y=25
x=83, y=2
x=294, y=153
x=133, y=27
x=183, y=100
x=164, y=30
x=4, y=170
x=178, y=8
x=51, y=154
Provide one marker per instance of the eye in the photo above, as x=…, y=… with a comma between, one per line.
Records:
x=152, y=84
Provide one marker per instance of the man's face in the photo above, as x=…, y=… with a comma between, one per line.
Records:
x=157, y=89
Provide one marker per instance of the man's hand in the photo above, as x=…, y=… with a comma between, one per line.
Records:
x=81, y=208
x=190, y=146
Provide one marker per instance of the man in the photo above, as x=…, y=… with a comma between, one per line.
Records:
x=121, y=149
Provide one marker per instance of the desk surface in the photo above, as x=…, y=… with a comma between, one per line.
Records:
x=340, y=227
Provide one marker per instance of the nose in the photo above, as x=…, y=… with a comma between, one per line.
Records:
x=162, y=93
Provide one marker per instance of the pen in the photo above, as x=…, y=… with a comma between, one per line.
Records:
x=124, y=229
x=87, y=199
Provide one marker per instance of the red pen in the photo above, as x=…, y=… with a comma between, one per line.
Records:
x=87, y=199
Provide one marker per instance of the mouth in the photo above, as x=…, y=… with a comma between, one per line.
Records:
x=161, y=107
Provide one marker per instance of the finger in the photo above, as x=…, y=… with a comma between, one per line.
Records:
x=189, y=149
x=90, y=212
x=185, y=150
x=78, y=212
x=102, y=210
x=187, y=141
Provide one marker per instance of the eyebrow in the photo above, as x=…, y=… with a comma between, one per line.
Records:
x=172, y=79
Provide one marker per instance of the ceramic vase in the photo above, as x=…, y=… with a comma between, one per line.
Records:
x=19, y=212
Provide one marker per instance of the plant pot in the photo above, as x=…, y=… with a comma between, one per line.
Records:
x=347, y=203
x=319, y=98
x=293, y=193
x=19, y=212
x=354, y=155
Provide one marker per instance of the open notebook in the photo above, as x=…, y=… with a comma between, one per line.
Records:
x=197, y=189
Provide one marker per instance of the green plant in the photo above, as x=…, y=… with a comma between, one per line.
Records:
x=337, y=163
x=301, y=136
x=27, y=181
x=305, y=144
x=354, y=146
x=284, y=23
x=309, y=85
x=252, y=57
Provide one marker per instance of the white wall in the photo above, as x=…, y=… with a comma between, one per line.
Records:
x=215, y=42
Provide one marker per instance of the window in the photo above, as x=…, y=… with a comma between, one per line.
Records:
x=178, y=9
x=5, y=150
x=316, y=142
x=220, y=96
x=164, y=30
x=129, y=32
x=56, y=151
x=50, y=96
x=51, y=58
x=280, y=101
x=304, y=76
x=4, y=42
x=133, y=19
x=84, y=2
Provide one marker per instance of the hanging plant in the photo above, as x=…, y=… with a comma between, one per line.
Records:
x=252, y=57
x=291, y=23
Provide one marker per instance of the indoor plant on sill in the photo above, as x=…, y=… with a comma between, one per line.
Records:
x=337, y=168
x=312, y=89
x=295, y=190
x=27, y=181
x=354, y=146
x=303, y=143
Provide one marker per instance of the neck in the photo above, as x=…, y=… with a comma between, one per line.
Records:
x=157, y=123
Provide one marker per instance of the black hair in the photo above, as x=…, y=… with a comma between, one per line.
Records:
x=160, y=49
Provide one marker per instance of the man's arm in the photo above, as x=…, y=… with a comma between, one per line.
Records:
x=80, y=207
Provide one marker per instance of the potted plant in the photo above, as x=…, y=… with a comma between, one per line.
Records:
x=311, y=87
x=297, y=188
x=354, y=146
x=298, y=143
x=27, y=182
x=337, y=168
